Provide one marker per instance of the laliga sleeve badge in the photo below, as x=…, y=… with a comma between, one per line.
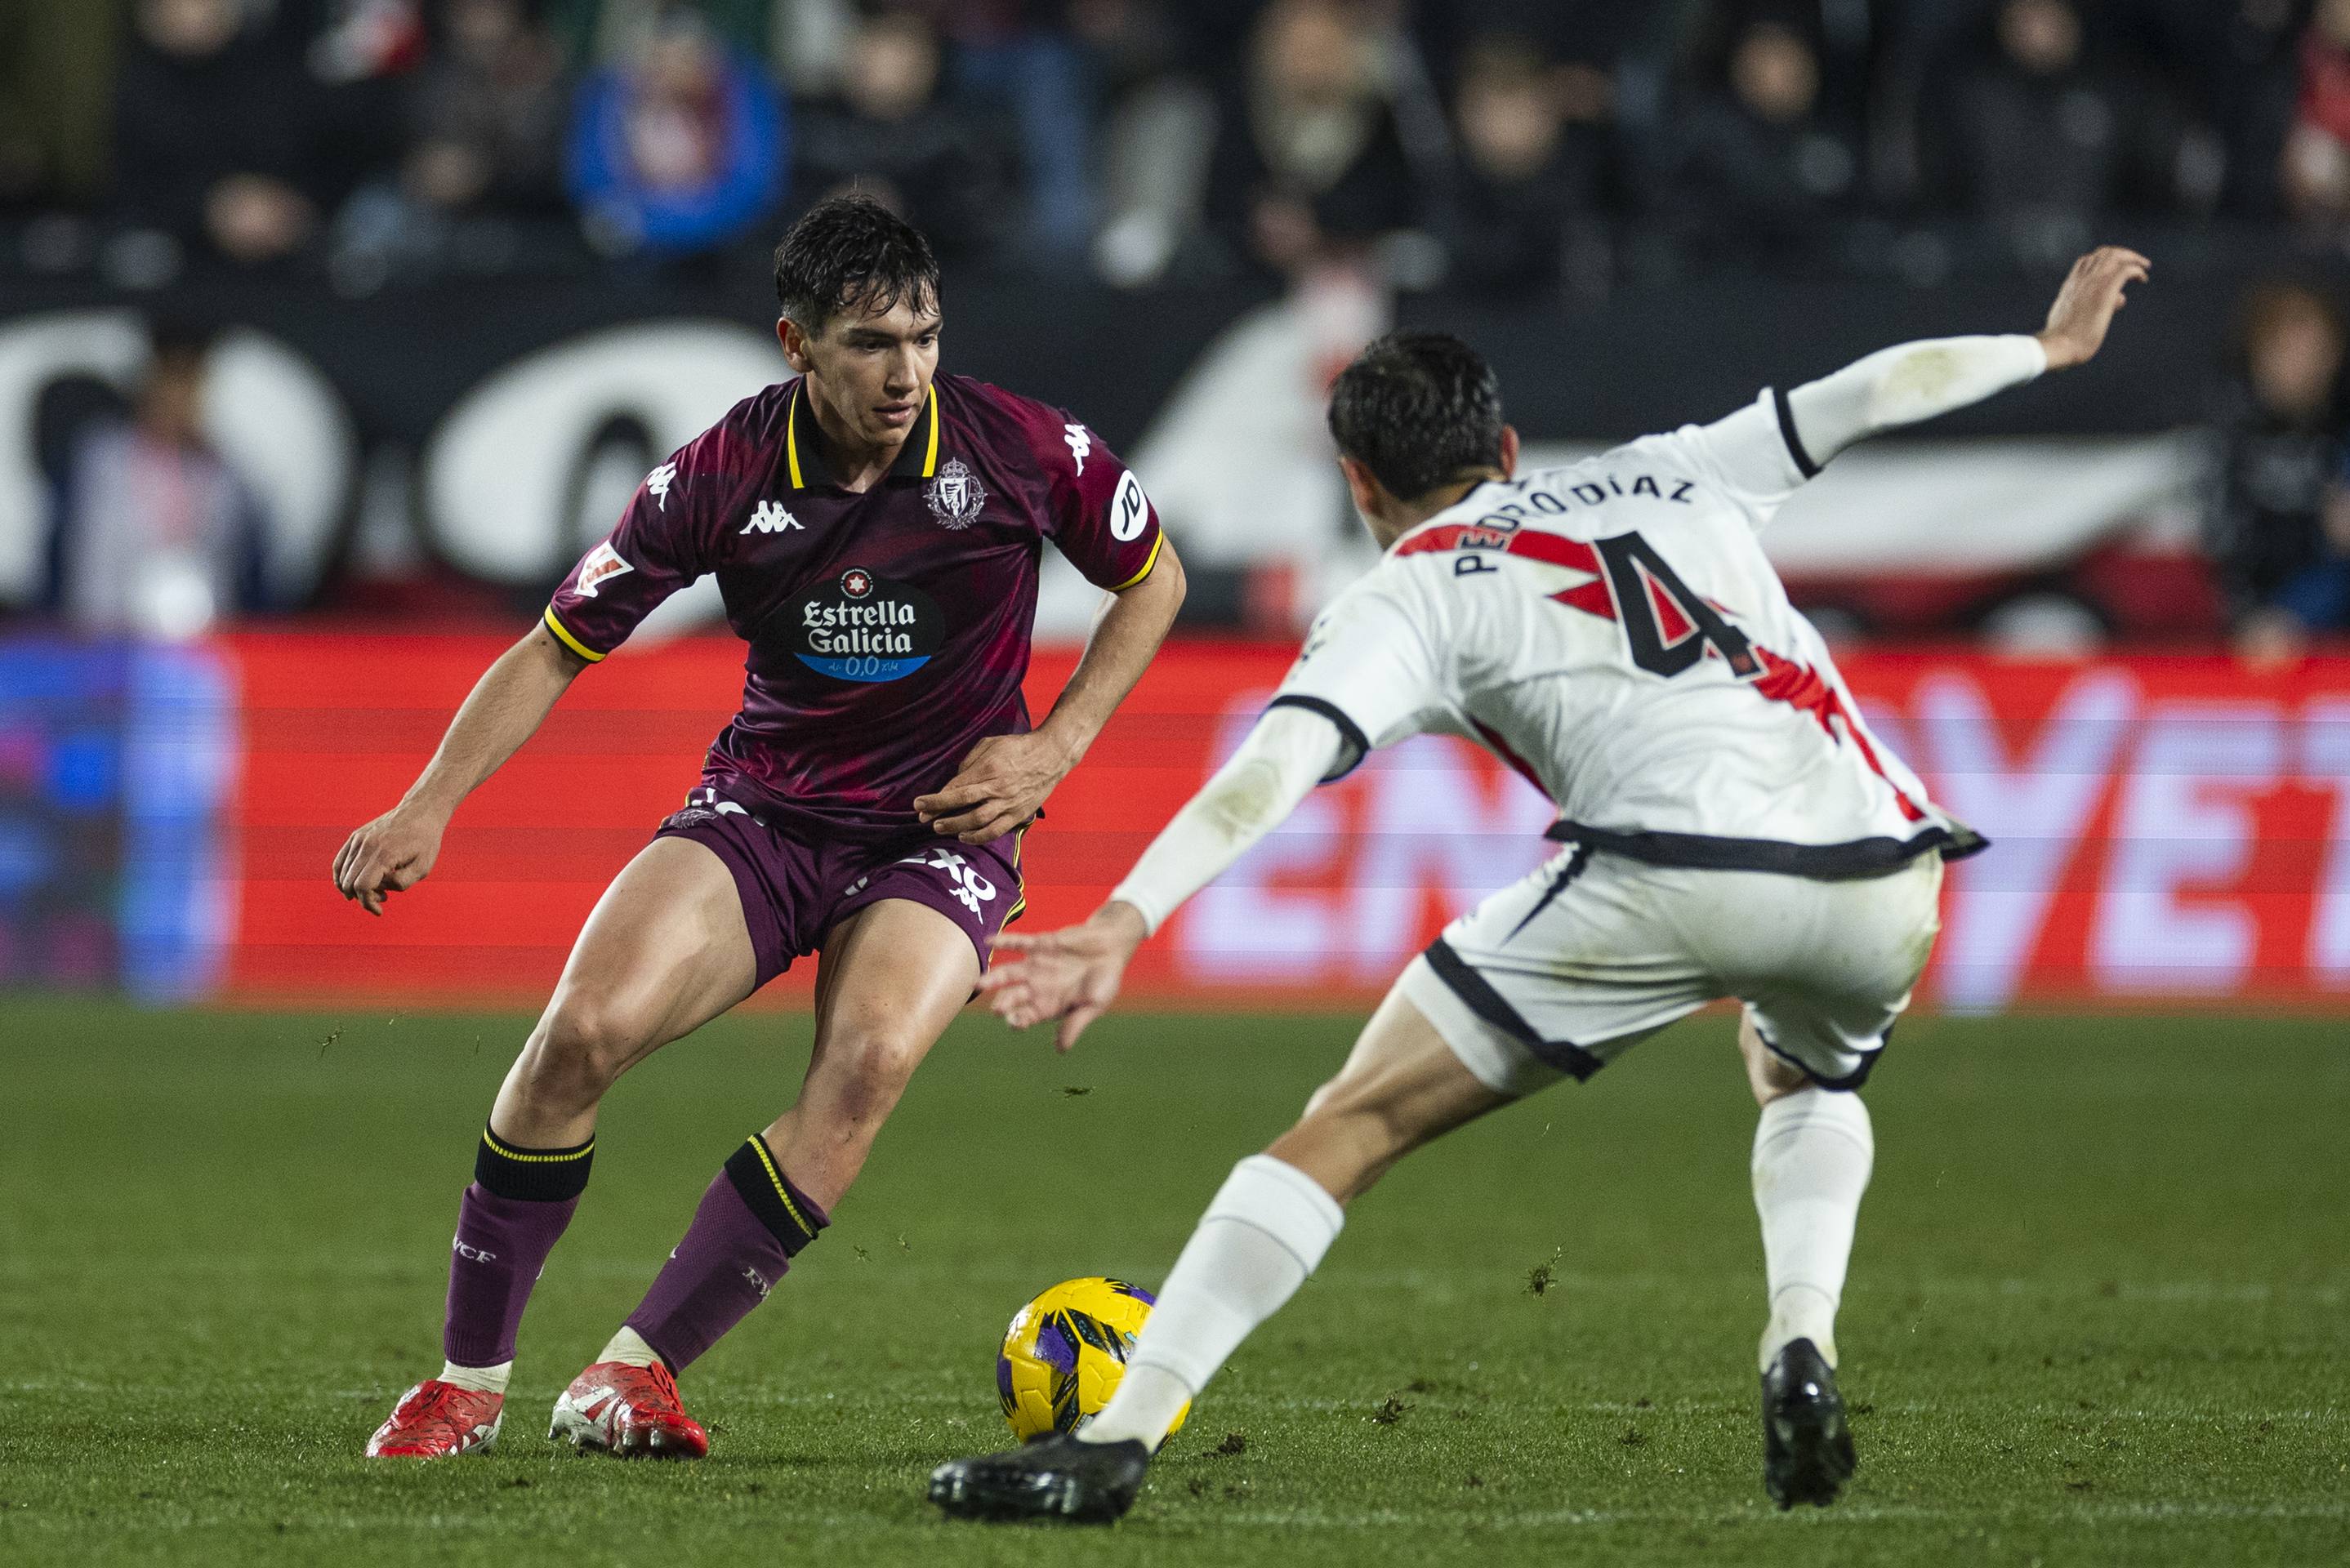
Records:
x=956, y=496
x=602, y=565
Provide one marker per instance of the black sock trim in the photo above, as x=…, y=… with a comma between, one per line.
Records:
x=532, y=1175
x=781, y=1208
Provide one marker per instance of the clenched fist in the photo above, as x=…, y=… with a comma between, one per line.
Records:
x=389, y=855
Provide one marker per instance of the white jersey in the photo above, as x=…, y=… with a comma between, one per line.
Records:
x=1614, y=631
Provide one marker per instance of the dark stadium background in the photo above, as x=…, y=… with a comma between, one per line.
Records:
x=411, y=293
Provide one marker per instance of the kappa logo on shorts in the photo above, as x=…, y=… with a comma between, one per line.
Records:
x=967, y=885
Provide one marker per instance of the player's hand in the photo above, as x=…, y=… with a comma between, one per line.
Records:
x=1070, y=975
x=2085, y=304
x=1001, y=784
x=389, y=855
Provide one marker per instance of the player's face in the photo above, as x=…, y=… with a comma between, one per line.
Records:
x=869, y=373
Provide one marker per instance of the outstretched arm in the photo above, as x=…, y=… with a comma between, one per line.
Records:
x=513, y=697
x=1915, y=381
x=1072, y=974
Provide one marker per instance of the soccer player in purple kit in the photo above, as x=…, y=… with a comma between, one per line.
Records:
x=876, y=529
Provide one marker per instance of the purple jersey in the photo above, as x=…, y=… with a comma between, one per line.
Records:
x=889, y=631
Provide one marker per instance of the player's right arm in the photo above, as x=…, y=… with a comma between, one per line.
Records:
x=1368, y=676
x=661, y=544
x=513, y=697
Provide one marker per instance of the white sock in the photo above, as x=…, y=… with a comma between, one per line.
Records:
x=478, y=1379
x=629, y=1348
x=1265, y=1232
x=1813, y=1152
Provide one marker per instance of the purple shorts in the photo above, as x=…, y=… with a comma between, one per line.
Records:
x=794, y=891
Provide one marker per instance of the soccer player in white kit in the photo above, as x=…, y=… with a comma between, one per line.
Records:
x=1729, y=828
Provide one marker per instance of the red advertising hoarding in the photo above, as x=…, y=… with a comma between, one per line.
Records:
x=2166, y=830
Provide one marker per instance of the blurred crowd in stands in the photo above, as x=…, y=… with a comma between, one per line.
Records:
x=1495, y=144
x=1528, y=148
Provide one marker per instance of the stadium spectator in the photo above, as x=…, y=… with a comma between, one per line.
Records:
x=158, y=536
x=1021, y=55
x=218, y=135
x=1309, y=152
x=2280, y=531
x=2040, y=140
x=2316, y=172
x=57, y=95
x=486, y=114
x=1756, y=170
x=888, y=133
x=479, y=182
x=1158, y=130
x=1535, y=165
x=2239, y=58
x=678, y=148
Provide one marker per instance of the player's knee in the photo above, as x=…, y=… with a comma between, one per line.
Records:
x=874, y=1065
x=584, y=1046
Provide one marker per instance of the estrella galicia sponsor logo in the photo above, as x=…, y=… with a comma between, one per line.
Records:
x=862, y=627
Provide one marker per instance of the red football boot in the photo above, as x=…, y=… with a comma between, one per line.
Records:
x=631, y=1411
x=436, y=1420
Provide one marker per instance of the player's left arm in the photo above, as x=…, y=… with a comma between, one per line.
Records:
x=1916, y=382
x=1106, y=525
x=1764, y=452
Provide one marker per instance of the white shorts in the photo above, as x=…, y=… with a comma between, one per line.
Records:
x=1558, y=974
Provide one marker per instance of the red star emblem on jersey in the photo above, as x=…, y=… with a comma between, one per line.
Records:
x=857, y=582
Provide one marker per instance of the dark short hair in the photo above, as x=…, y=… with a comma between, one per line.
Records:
x=1418, y=409
x=851, y=250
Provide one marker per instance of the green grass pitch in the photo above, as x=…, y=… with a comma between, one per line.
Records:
x=2100, y=1311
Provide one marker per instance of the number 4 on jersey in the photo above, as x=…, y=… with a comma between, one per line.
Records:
x=1668, y=625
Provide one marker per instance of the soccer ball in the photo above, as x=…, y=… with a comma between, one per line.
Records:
x=1065, y=1353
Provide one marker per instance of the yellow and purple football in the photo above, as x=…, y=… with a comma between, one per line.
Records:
x=1065, y=1353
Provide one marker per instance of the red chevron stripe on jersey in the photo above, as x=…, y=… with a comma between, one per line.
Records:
x=1799, y=686
x=1551, y=549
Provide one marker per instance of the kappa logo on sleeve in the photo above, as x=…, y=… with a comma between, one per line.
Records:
x=1081, y=444
x=602, y=565
x=658, y=482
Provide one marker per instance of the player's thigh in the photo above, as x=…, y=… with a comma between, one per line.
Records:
x=1557, y=975
x=893, y=976
x=1402, y=1086
x=1834, y=975
x=665, y=951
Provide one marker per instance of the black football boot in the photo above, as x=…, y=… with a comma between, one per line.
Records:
x=1053, y=1478
x=1806, y=1447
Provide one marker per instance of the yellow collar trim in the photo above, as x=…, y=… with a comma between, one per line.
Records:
x=792, y=438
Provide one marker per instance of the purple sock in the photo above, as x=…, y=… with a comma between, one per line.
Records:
x=513, y=1214
x=502, y=1244
x=749, y=1224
